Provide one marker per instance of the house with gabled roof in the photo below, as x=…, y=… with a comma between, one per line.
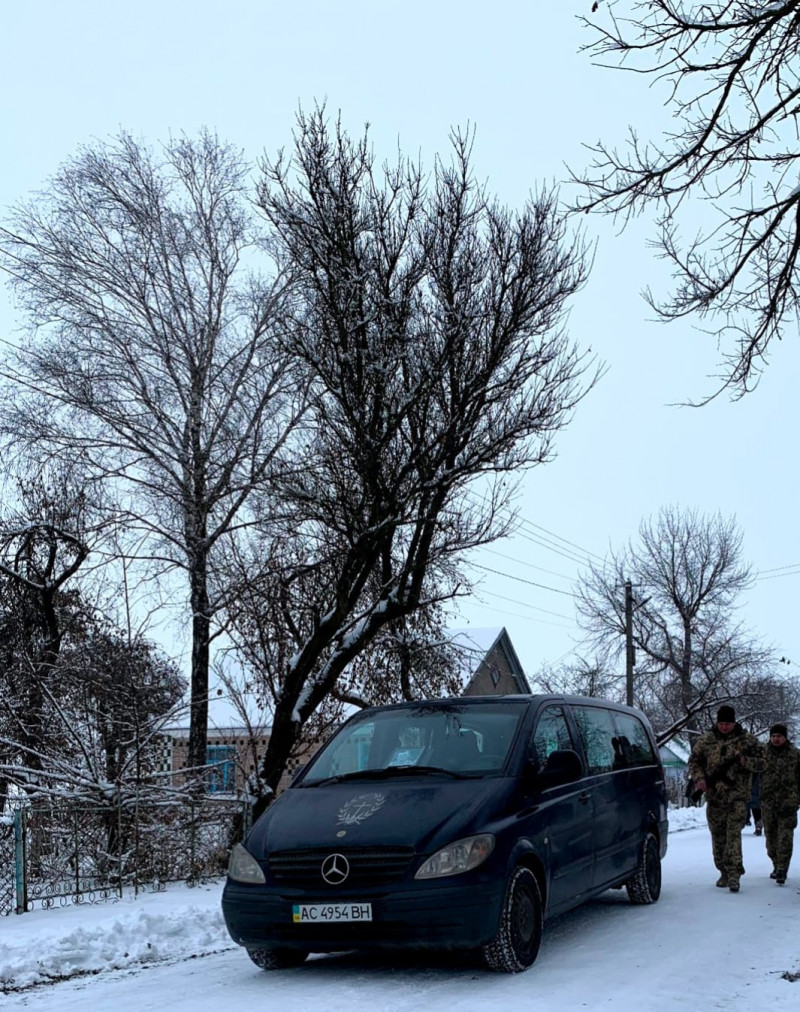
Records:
x=490, y=666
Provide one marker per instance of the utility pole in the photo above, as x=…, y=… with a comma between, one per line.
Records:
x=629, y=653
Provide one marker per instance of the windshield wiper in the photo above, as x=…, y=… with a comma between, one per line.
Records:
x=385, y=772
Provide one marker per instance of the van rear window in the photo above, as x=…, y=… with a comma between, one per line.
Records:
x=598, y=735
x=612, y=740
x=634, y=741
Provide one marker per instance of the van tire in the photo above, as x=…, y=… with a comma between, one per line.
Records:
x=516, y=944
x=277, y=959
x=644, y=886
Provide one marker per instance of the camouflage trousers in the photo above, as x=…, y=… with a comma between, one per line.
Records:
x=726, y=823
x=779, y=826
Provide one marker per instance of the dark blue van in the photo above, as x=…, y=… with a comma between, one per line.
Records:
x=455, y=824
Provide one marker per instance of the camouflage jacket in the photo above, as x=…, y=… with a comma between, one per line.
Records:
x=780, y=781
x=715, y=759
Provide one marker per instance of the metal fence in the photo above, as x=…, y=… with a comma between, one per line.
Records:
x=7, y=865
x=61, y=852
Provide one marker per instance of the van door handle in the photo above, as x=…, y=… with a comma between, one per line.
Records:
x=584, y=798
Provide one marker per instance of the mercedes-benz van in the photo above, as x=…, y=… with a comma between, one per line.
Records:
x=456, y=824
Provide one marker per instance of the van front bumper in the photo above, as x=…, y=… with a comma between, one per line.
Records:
x=451, y=916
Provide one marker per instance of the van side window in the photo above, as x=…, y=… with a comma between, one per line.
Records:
x=552, y=732
x=598, y=735
x=639, y=749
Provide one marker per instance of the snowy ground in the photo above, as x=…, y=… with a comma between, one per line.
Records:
x=699, y=947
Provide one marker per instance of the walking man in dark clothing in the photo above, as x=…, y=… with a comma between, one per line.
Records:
x=780, y=798
x=722, y=763
x=754, y=805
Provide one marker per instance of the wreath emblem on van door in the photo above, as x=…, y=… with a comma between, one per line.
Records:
x=360, y=808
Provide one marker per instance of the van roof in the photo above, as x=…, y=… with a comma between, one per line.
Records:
x=532, y=699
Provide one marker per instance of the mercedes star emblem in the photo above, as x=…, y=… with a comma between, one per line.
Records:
x=335, y=869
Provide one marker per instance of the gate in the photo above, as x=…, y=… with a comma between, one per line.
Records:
x=66, y=852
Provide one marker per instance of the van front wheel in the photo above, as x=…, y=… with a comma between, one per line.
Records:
x=644, y=886
x=516, y=944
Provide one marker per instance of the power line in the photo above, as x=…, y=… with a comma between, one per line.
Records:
x=537, y=539
x=530, y=565
x=775, y=576
x=521, y=579
x=574, y=552
x=566, y=541
x=525, y=618
x=776, y=569
x=524, y=604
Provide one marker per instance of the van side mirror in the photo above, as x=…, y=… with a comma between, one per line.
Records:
x=562, y=767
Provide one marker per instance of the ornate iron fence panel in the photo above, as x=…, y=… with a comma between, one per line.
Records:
x=82, y=853
x=73, y=854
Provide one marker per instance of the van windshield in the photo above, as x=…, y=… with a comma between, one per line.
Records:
x=448, y=737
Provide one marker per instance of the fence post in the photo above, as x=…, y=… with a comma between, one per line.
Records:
x=120, y=847
x=192, y=847
x=136, y=843
x=77, y=852
x=247, y=818
x=20, y=868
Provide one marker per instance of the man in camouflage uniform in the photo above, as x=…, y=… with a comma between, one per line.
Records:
x=722, y=763
x=780, y=798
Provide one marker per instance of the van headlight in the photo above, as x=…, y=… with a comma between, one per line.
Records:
x=458, y=857
x=243, y=867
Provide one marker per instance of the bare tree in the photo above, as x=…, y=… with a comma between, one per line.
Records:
x=687, y=575
x=113, y=692
x=151, y=353
x=45, y=538
x=770, y=696
x=428, y=322
x=415, y=328
x=582, y=676
x=730, y=72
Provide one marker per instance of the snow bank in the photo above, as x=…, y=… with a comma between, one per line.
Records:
x=47, y=945
x=686, y=818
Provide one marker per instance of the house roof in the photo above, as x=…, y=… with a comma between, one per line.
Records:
x=680, y=748
x=673, y=754
x=216, y=732
x=474, y=646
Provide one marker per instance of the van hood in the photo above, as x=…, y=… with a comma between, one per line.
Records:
x=368, y=813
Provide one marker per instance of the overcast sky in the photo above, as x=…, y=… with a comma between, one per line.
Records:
x=83, y=70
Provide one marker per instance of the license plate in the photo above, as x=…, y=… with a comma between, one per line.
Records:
x=321, y=913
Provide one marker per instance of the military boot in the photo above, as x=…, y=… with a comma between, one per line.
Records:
x=722, y=881
x=759, y=828
x=733, y=883
x=780, y=876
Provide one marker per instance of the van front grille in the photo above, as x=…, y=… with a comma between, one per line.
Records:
x=369, y=866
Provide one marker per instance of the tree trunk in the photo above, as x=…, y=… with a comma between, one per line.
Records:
x=201, y=628
x=282, y=740
x=687, y=690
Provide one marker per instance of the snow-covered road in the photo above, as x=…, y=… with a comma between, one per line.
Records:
x=699, y=947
